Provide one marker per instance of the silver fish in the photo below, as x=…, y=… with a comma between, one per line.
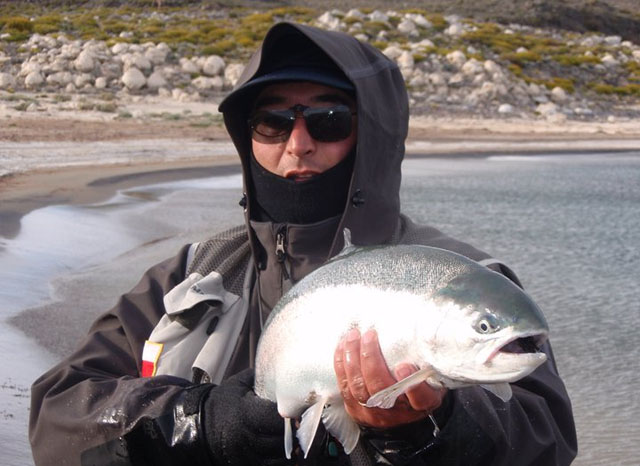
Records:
x=460, y=323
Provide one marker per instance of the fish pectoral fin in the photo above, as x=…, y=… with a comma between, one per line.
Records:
x=339, y=424
x=387, y=398
x=288, y=437
x=309, y=425
x=501, y=390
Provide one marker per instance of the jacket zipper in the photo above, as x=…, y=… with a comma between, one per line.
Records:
x=281, y=252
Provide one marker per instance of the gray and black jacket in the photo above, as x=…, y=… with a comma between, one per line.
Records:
x=195, y=319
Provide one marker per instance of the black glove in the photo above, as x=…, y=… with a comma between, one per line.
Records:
x=239, y=427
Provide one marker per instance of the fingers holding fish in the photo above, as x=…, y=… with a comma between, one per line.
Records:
x=353, y=367
x=422, y=397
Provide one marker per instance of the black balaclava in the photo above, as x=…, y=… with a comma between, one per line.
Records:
x=282, y=200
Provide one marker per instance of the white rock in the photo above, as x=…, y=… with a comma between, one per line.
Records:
x=472, y=67
x=120, y=48
x=6, y=80
x=636, y=55
x=328, y=21
x=547, y=109
x=609, y=61
x=613, y=40
x=82, y=79
x=425, y=43
x=454, y=30
x=29, y=67
x=419, y=20
x=559, y=95
x=407, y=27
x=84, y=63
x=156, y=80
x=232, y=73
x=206, y=83
x=101, y=82
x=491, y=67
x=70, y=51
x=362, y=37
x=457, y=80
x=522, y=50
x=213, y=66
x=355, y=13
x=392, y=52
x=533, y=89
x=136, y=60
x=418, y=80
x=405, y=60
x=378, y=16
x=70, y=88
x=133, y=79
x=506, y=109
x=437, y=79
x=456, y=58
x=61, y=78
x=34, y=79
x=189, y=66
x=126, y=35
x=156, y=55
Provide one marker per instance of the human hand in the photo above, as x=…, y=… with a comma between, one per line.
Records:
x=361, y=371
x=241, y=428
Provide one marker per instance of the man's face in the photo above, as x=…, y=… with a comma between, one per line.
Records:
x=300, y=156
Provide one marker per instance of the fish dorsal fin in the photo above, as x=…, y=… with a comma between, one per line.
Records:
x=309, y=425
x=341, y=425
x=501, y=390
x=387, y=398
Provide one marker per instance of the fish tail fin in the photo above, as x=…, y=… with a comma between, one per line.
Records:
x=339, y=424
x=288, y=437
x=501, y=390
x=387, y=398
x=309, y=425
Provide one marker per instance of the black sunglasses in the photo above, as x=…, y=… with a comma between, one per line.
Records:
x=325, y=124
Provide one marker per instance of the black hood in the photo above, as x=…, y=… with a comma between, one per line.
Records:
x=373, y=204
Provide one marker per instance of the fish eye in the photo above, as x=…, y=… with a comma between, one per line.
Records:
x=487, y=324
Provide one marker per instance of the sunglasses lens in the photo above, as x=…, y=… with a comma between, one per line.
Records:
x=271, y=126
x=328, y=124
x=325, y=124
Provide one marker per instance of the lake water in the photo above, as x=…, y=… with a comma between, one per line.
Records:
x=569, y=225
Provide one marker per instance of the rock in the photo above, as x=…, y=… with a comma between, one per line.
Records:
x=156, y=55
x=33, y=80
x=609, y=61
x=6, y=81
x=120, y=48
x=419, y=20
x=425, y=43
x=213, y=66
x=456, y=58
x=362, y=37
x=189, y=66
x=101, y=82
x=126, y=35
x=408, y=27
x=559, y=95
x=29, y=67
x=472, y=67
x=547, y=109
x=522, y=50
x=355, y=13
x=636, y=55
x=379, y=17
x=232, y=73
x=61, y=78
x=506, y=109
x=136, y=60
x=82, y=79
x=613, y=40
x=457, y=80
x=70, y=88
x=164, y=92
x=437, y=79
x=133, y=79
x=405, y=60
x=454, y=30
x=84, y=63
x=328, y=21
x=156, y=80
x=491, y=67
x=205, y=83
x=392, y=52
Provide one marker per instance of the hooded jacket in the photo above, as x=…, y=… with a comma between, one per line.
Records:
x=201, y=313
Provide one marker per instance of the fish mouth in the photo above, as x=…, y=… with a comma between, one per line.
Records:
x=524, y=348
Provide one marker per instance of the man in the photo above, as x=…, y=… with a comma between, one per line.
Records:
x=319, y=121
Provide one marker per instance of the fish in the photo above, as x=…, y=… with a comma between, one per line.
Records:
x=459, y=322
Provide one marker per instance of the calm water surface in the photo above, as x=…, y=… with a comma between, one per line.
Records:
x=568, y=225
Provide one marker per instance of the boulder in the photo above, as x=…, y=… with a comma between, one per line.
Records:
x=205, y=83
x=84, y=63
x=6, y=81
x=101, y=83
x=156, y=80
x=419, y=20
x=82, y=79
x=189, y=66
x=405, y=60
x=232, y=73
x=33, y=80
x=609, y=61
x=213, y=66
x=454, y=30
x=378, y=16
x=456, y=58
x=408, y=28
x=393, y=52
x=559, y=95
x=120, y=48
x=61, y=78
x=133, y=79
x=328, y=21
x=355, y=13
x=506, y=109
x=547, y=109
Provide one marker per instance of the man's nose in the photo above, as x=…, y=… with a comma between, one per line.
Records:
x=300, y=142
